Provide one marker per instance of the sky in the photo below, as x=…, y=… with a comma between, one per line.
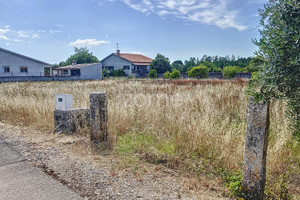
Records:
x=48, y=30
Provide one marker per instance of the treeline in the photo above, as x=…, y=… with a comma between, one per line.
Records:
x=215, y=63
x=196, y=67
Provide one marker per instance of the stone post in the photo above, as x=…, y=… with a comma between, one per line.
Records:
x=256, y=145
x=98, y=117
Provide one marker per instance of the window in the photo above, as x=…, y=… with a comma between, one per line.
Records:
x=126, y=67
x=24, y=69
x=65, y=72
x=75, y=72
x=110, y=68
x=6, y=69
x=47, y=71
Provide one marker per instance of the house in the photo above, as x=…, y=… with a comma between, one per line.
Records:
x=16, y=65
x=84, y=71
x=132, y=64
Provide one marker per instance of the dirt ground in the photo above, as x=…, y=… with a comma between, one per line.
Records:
x=104, y=175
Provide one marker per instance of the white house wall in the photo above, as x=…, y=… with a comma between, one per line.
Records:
x=14, y=63
x=118, y=63
x=91, y=72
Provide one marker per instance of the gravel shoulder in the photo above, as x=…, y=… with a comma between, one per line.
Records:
x=70, y=160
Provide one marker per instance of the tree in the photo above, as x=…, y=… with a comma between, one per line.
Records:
x=199, y=72
x=189, y=64
x=82, y=55
x=161, y=64
x=230, y=71
x=178, y=65
x=175, y=74
x=152, y=74
x=279, y=48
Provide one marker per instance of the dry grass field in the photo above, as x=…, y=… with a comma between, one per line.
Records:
x=197, y=126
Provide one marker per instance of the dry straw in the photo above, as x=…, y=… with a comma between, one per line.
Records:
x=204, y=119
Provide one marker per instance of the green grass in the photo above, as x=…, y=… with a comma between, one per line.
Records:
x=153, y=149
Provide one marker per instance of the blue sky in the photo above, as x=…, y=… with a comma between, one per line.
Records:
x=49, y=30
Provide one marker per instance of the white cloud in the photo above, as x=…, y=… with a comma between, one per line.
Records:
x=135, y=52
x=144, y=6
x=55, y=31
x=210, y=12
x=34, y=36
x=23, y=34
x=3, y=32
x=87, y=43
x=11, y=35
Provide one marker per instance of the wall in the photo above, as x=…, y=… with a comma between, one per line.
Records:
x=212, y=75
x=39, y=78
x=91, y=72
x=14, y=62
x=118, y=63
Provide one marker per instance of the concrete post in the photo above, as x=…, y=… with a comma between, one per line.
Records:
x=98, y=117
x=256, y=144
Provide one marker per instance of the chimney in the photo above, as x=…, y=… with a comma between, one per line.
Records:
x=118, y=52
x=74, y=62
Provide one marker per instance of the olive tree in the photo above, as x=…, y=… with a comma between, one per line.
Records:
x=279, y=49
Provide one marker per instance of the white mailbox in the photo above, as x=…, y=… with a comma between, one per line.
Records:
x=63, y=102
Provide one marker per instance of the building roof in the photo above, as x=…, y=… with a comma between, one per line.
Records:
x=136, y=59
x=77, y=66
x=26, y=57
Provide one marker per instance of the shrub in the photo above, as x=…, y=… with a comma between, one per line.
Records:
x=175, y=74
x=167, y=75
x=199, y=72
x=230, y=72
x=152, y=74
x=117, y=73
x=104, y=73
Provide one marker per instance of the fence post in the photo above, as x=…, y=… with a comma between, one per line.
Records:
x=256, y=144
x=98, y=117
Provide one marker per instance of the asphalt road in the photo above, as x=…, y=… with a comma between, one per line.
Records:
x=21, y=181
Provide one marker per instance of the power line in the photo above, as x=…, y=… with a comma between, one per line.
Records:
x=29, y=21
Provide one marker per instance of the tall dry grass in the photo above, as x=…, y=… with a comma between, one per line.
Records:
x=205, y=120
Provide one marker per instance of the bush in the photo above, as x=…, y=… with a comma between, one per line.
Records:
x=167, y=75
x=199, y=72
x=117, y=73
x=104, y=73
x=230, y=72
x=152, y=74
x=175, y=74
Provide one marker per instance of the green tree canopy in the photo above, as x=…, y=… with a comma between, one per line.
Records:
x=82, y=55
x=279, y=49
x=161, y=64
x=199, y=72
x=178, y=65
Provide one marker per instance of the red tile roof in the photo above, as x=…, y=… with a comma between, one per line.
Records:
x=136, y=59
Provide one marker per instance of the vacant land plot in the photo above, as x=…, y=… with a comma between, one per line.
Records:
x=192, y=125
